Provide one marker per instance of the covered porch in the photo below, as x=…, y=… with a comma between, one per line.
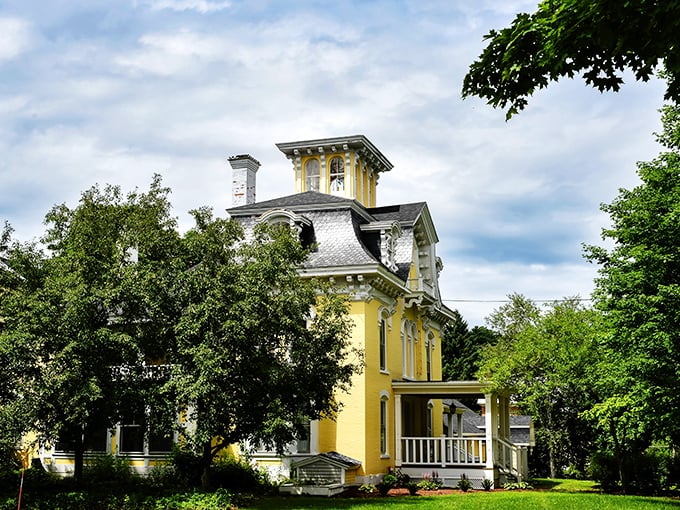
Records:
x=488, y=455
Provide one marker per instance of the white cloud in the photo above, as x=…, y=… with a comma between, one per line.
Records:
x=168, y=90
x=16, y=37
x=202, y=6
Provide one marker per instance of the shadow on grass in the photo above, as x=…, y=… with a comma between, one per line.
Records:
x=565, y=485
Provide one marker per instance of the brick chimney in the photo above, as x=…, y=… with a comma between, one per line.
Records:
x=244, y=167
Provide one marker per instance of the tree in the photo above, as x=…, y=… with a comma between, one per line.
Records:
x=514, y=316
x=549, y=365
x=16, y=360
x=260, y=351
x=95, y=303
x=124, y=317
x=638, y=288
x=562, y=38
x=461, y=349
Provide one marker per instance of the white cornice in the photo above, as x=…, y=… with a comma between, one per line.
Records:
x=358, y=143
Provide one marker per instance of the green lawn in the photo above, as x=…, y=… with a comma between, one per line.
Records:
x=552, y=494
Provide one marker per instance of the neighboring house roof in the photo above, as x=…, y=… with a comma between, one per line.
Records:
x=475, y=424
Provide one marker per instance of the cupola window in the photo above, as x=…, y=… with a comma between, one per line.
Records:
x=337, y=175
x=312, y=175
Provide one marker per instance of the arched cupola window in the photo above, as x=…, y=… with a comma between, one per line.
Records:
x=337, y=175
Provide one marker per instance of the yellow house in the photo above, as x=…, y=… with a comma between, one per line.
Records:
x=384, y=258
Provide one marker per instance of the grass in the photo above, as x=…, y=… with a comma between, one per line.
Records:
x=549, y=495
x=565, y=485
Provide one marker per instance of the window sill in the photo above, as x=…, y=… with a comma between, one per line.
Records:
x=384, y=455
x=384, y=372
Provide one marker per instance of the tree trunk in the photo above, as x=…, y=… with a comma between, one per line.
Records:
x=620, y=457
x=553, y=468
x=551, y=457
x=206, y=461
x=78, y=458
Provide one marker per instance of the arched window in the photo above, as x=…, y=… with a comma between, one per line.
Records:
x=384, y=322
x=429, y=345
x=312, y=175
x=301, y=224
x=409, y=336
x=384, y=443
x=383, y=344
x=337, y=174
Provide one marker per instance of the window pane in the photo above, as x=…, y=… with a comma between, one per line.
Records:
x=383, y=345
x=312, y=175
x=303, y=442
x=337, y=174
x=95, y=440
x=383, y=427
x=131, y=438
x=159, y=442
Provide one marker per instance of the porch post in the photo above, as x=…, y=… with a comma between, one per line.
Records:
x=459, y=417
x=397, y=429
x=504, y=417
x=491, y=422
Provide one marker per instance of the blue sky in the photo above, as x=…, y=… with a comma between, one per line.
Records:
x=113, y=91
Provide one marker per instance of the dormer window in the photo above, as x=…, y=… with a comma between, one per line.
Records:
x=337, y=175
x=388, y=245
x=390, y=232
x=303, y=226
x=312, y=175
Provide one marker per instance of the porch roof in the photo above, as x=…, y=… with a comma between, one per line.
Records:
x=439, y=389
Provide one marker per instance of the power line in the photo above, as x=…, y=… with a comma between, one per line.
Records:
x=562, y=300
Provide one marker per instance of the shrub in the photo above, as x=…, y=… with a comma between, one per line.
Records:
x=514, y=486
x=187, y=467
x=402, y=478
x=464, y=484
x=36, y=479
x=221, y=499
x=387, y=483
x=573, y=472
x=430, y=482
x=428, y=485
x=238, y=476
x=109, y=469
x=603, y=469
x=412, y=488
x=655, y=470
x=368, y=488
x=487, y=484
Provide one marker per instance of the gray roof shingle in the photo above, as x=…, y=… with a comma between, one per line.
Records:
x=336, y=222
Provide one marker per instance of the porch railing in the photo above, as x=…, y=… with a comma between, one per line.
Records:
x=443, y=451
x=513, y=459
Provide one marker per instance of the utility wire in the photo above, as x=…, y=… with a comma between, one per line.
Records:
x=510, y=301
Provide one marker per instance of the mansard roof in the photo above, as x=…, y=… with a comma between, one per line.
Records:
x=312, y=199
x=347, y=234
